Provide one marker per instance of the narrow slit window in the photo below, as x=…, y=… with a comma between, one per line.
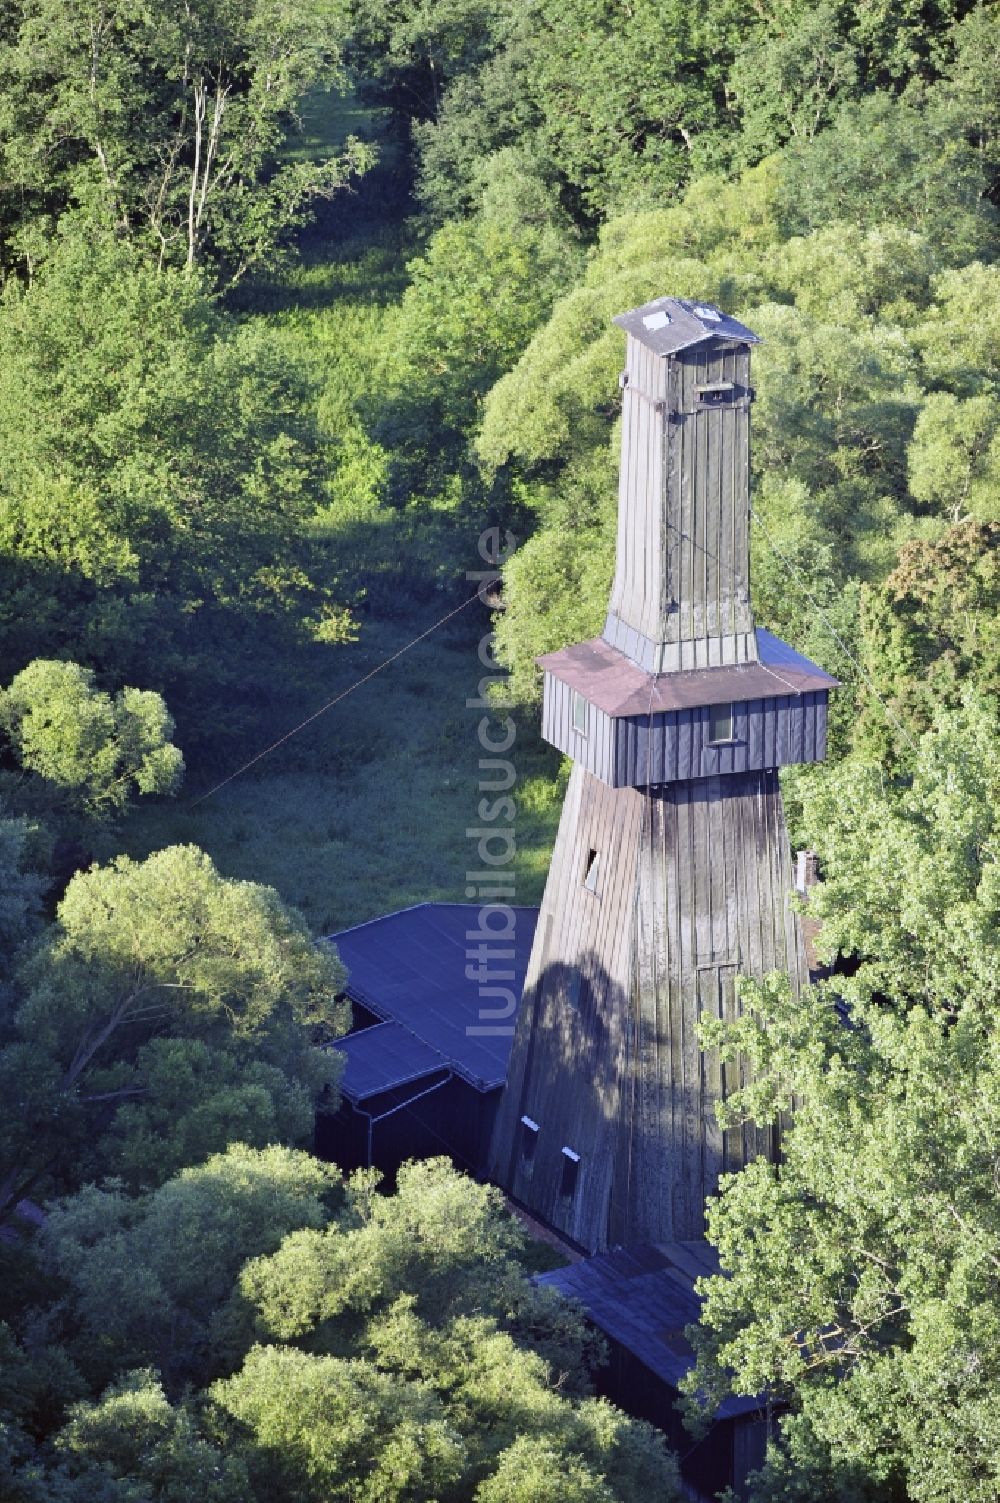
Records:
x=580, y=708
x=720, y=723
x=717, y=394
x=529, y=1140
x=590, y=875
x=570, y=1172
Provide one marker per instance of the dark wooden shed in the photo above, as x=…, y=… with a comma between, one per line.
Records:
x=423, y=1076
x=643, y=1300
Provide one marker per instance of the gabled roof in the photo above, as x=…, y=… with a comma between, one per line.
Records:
x=643, y=1298
x=613, y=683
x=669, y=324
x=409, y=969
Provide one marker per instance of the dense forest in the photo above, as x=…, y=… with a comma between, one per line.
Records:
x=296, y=301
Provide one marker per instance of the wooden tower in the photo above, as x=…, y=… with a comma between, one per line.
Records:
x=671, y=873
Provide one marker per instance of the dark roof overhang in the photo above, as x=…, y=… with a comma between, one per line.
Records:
x=613, y=683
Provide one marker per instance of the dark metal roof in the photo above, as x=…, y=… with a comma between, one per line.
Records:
x=408, y=968
x=669, y=324
x=384, y=1057
x=643, y=1298
x=616, y=685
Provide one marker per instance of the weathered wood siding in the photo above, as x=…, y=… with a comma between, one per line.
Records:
x=766, y=733
x=594, y=749
x=568, y=1048
x=639, y=595
x=681, y=593
x=693, y=889
x=714, y=883
x=635, y=751
x=708, y=484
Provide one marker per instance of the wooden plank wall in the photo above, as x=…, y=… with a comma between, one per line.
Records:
x=634, y=751
x=596, y=750
x=638, y=595
x=708, y=484
x=682, y=574
x=567, y=1056
x=713, y=901
x=766, y=733
x=693, y=889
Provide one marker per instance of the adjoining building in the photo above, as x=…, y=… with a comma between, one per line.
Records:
x=643, y=1300
x=424, y=1072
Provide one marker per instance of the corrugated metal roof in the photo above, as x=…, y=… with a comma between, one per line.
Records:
x=616, y=685
x=669, y=324
x=409, y=968
x=643, y=1298
x=384, y=1057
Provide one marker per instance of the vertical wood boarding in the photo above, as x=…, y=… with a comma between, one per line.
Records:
x=714, y=883
x=693, y=889
x=711, y=505
x=674, y=745
x=566, y=1061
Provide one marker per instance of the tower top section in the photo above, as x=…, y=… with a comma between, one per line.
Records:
x=670, y=324
x=681, y=594
x=681, y=685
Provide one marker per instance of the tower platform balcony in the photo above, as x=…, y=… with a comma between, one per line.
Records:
x=634, y=729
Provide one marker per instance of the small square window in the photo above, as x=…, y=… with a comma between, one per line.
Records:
x=529, y=1140
x=720, y=723
x=580, y=709
x=570, y=1172
x=590, y=875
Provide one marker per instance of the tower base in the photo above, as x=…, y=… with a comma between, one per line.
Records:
x=657, y=899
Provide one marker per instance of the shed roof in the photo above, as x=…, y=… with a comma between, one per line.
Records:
x=669, y=324
x=409, y=969
x=616, y=685
x=643, y=1298
x=383, y=1057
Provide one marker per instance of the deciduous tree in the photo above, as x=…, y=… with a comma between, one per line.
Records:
x=144, y=951
x=859, y=1278
x=146, y=1277
x=89, y=750
x=157, y=468
x=168, y=127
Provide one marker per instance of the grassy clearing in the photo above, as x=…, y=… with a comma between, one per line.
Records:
x=367, y=809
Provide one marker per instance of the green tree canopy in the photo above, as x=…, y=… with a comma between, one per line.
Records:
x=929, y=632
x=21, y=888
x=89, y=749
x=133, y=1443
x=407, y=1356
x=789, y=77
x=146, y=1277
x=475, y=297
x=860, y=1274
x=157, y=468
x=330, y=1427
x=169, y=125
x=412, y=1309
x=441, y=1242
x=144, y=952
